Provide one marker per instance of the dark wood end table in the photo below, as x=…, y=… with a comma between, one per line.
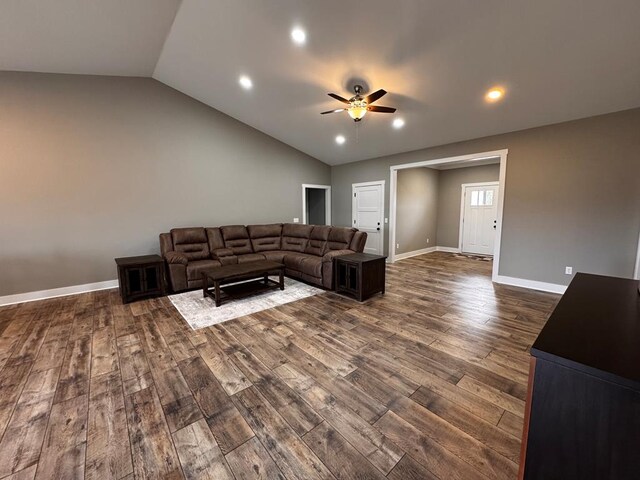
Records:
x=359, y=275
x=258, y=271
x=140, y=277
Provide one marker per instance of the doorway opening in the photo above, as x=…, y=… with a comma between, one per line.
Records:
x=367, y=211
x=316, y=204
x=455, y=237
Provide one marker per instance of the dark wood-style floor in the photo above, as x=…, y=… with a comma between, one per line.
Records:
x=426, y=382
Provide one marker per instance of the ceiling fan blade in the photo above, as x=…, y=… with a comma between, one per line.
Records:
x=338, y=97
x=374, y=108
x=333, y=111
x=375, y=96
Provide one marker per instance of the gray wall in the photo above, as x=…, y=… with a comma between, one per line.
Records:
x=417, y=209
x=572, y=194
x=93, y=168
x=449, y=195
x=316, y=206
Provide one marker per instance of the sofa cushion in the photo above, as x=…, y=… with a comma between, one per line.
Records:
x=192, y=242
x=340, y=238
x=312, y=279
x=318, y=240
x=265, y=237
x=304, y=263
x=214, y=236
x=274, y=255
x=195, y=268
x=236, y=238
x=358, y=241
x=295, y=237
x=250, y=257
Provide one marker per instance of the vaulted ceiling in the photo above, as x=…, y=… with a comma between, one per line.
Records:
x=556, y=60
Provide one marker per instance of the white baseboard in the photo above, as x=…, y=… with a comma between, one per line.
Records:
x=448, y=249
x=415, y=253
x=532, y=284
x=57, y=292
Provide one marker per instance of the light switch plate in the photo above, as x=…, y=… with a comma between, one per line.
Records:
x=296, y=220
x=568, y=270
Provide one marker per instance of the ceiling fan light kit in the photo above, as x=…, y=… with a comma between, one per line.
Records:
x=359, y=105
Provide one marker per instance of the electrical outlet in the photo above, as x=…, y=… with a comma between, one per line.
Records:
x=296, y=220
x=397, y=245
x=428, y=240
x=386, y=220
x=568, y=270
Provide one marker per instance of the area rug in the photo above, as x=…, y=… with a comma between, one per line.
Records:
x=201, y=312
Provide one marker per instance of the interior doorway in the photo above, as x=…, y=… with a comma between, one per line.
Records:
x=452, y=162
x=368, y=213
x=478, y=217
x=316, y=204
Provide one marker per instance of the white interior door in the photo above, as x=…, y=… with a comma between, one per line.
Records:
x=479, y=218
x=368, y=214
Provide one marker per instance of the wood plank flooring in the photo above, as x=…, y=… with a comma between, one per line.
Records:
x=425, y=382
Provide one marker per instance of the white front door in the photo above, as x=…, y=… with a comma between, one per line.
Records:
x=479, y=218
x=368, y=214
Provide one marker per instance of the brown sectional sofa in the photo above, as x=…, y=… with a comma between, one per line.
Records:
x=307, y=251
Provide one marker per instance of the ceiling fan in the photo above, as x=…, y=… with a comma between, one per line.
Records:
x=359, y=105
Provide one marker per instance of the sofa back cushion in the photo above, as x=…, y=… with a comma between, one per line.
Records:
x=191, y=241
x=295, y=237
x=317, y=244
x=358, y=242
x=340, y=238
x=265, y=237
x=214, y=236
x=236, y=239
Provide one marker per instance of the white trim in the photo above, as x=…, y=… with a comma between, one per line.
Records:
x=57, y=292
x=327, y=204
x=368, y=184
x=448, y=249
x=636, y=271
x=462, y=205
x=459, y=159
x=531, y=284
x=502, y=179
x=415, y=253
x=353, y=206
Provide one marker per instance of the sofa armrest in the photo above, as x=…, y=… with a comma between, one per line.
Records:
x=219, y=253
x=176, y=258
x=328, y=257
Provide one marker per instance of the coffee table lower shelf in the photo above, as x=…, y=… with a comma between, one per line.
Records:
x=218, y=287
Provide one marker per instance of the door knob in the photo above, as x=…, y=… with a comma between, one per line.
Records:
x=378, y=228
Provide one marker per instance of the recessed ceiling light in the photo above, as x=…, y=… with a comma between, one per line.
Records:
x=398, y=123
x=245, y=82
x=299, y=36
x=340, y=139
x=494, y=94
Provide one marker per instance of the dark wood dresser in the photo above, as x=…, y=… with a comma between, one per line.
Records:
x=582, y=419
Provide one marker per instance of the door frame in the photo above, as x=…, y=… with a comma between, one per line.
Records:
x=327, y=201
x=353, y=205
x=462, y=159
x=462, y=204
x=636, y=270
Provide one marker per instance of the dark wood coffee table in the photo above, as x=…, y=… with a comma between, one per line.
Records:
x=237, y=273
